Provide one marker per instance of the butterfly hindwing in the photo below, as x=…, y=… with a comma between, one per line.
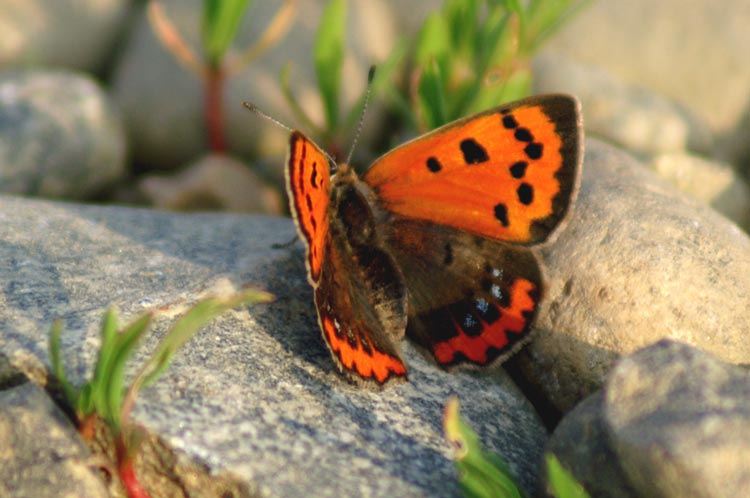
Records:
x=472, y=300
x=309, y=187
x=360, y=298
x=509, y=173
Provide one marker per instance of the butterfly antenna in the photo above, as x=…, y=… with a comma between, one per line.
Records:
x=275, y=121
x=370, y=77
x=263, y=114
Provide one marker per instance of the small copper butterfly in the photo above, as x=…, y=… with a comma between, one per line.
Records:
x=434, y=241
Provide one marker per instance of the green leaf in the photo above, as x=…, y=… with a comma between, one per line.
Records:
x=113, y=386
x=431, y=97
x=297, y=110
x=562, y=484
x=383, y=83
x=107, y=353
x=480, y=474
x=57, y=367
x=190, y=323
x=433, y=42
x=329, y=58
x=544, y=18
x=461, y=17
x=221, y=19
x=85, y=405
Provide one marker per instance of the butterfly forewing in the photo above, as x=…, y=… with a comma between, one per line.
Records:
x=309, y=186
x=508, y=174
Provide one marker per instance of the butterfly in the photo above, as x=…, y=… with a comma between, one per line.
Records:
x=435, y=240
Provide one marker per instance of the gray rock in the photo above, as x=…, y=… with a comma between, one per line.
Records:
x=76, y=34
x=638, y=262
x=689, y=51
x=634, y=117
x=581, y=444
x=256, y=393
x=671, y=422
x=9, y=375
x=679, y=420
x=215, y=181
x=59, y=135
x=713, y=182
x=42, y=453
x=147, y=77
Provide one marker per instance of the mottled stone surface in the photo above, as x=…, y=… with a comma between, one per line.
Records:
x=75, y=34
x=679, y=421
x=670, y=422
x=60, y=136
x=255, y=393
x=713, y=182
x=213, y=182
x=581, y=444
x=690, y=51
x=42, y=454
x=639, y=261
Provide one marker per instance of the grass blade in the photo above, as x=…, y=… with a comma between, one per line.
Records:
x=221, y=19
x=329, y=58
x=112, y=389
x=57, y=367
x=562, y=484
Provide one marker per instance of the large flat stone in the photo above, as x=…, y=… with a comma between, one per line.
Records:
x=256, y=393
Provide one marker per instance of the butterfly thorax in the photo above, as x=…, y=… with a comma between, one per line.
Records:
x=351, y=210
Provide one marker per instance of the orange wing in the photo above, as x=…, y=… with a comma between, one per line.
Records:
x=360, y=298
x=309, y=187
x=362, y=313
x=510, y=173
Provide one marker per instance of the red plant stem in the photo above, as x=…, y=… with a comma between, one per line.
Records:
x=213, y=110
x=87, y=428
x=126, y=469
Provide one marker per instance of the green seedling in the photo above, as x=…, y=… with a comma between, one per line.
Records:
x=483, y=475
x=105, y=398
x=328, y=54
x=480, y=474
x=220, y=23
x=473, y=55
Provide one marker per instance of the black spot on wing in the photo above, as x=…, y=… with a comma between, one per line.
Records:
x=519, y=169
x=434, y=165
x=525, y=193
x=440, y=324
x=464, y=316
x=488, y=312
x=523, y=135
x=534, y=150
x=473, y=152
x=314, y=176
x=501, y=213
x=509, y=121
